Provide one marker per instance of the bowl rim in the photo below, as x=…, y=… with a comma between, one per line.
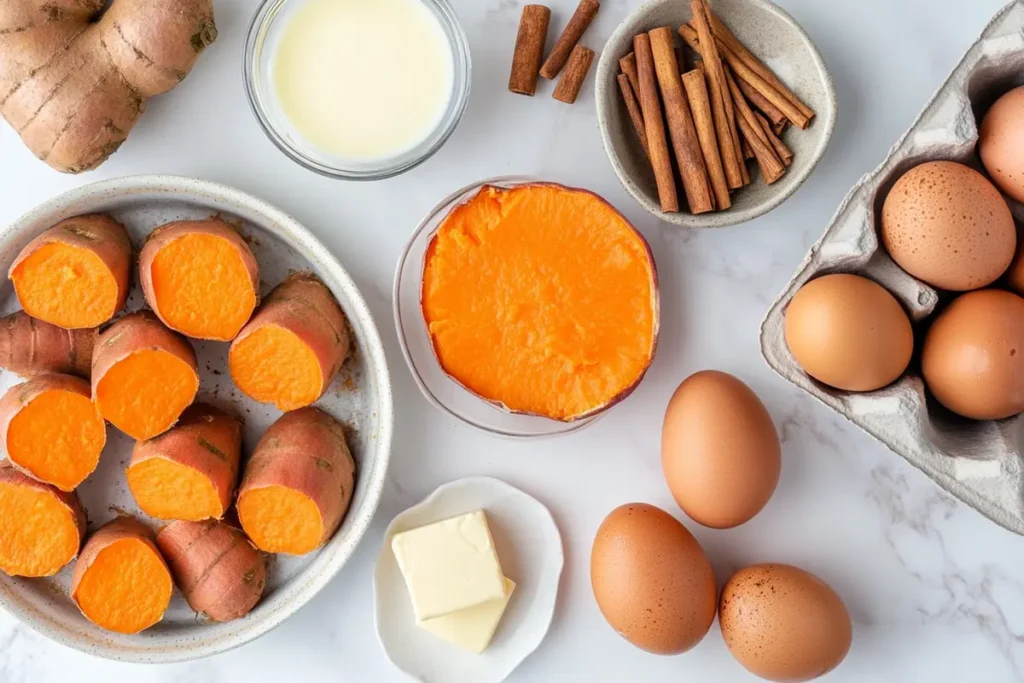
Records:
x=304, y=587
x=721, y=219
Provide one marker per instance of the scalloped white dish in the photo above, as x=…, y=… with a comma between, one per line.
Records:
x=530, y=548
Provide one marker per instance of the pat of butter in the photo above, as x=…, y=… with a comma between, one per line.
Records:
x=449, y=565
x=472, y=628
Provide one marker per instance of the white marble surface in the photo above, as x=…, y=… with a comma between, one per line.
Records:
x=936, y=591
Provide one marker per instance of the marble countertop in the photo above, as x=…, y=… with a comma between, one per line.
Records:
x=935, y=590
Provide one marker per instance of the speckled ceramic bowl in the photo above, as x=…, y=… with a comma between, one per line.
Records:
x=360, y=398
x=779, y=42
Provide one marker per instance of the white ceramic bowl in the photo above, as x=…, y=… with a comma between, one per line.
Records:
x=530, y=548
x=360, y=398
x=779, y=42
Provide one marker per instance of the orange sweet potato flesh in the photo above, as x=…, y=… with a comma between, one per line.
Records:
x=143, y=376
x=298, y=483
x=200, y=278
x=190, y=471
x=51, y=430
x=541, y=299
x=42, y=526
x=75, y=275
x=293, y=347
x=121, y=581
x=217, y=569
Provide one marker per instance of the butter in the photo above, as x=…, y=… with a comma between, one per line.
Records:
x=472, y=628
x=449, y=565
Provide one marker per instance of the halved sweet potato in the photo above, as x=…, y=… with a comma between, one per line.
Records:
x=42, y=526
x=50, y=429
x=75, y=274
x=542, y=300
x=200, y=278
x=30, y=347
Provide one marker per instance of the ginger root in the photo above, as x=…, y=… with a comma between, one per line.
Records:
x=73, y=85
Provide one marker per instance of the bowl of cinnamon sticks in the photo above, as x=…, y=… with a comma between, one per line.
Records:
x=713, y=112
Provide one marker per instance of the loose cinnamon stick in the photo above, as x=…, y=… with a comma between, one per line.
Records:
x=755, y=98
x=700, y=106
x=728, y=140
x=575, y=72
x=581, y=18
x=650, y=104
x=771, y=166
x=529, y=51
x=633, y=107
x=723, y=33
x=628, y=66
x=780, y=127
x=748, y=153
x=784, y=153
x=681, y=130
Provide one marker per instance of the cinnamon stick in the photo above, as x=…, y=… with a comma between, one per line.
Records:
x=575, y=72
x=529, y=50
x=633, y=107
x=581, y=18
x=784, y=153
x=771, y=166
x=700, y=106
x=748, y=153
x=681, y=129
x=780, y=127
x=723, y=33
x=650, y=104
x=628, y=66
x=728, y=140
x=755, y=98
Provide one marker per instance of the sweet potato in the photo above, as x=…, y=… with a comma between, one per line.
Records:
x=200, y=278
x=50, y=430
x=73, y=83
x=297, y=484
x=41, y=527
x=121, y=581
x=217, y=569
x=31, y=347
x=190, y=471
x=75, y=275
x=143, y=376
x=293, y=347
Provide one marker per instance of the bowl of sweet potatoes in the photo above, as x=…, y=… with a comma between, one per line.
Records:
x=195, y=417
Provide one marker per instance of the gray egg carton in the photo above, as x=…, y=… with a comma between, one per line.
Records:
x=978, y=462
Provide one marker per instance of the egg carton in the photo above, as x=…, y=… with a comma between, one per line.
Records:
x=978, y=462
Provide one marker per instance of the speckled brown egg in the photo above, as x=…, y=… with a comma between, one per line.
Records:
x=651, y=579
x=784, y=624
x=849, y=332
x=1001, y=143
x=973, y=355
x=947, y=225
x=719, y=450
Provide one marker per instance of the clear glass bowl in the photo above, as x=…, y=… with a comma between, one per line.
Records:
x=439, y=389
x=264, y=32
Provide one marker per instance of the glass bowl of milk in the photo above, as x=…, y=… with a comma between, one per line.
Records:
x=357, y=89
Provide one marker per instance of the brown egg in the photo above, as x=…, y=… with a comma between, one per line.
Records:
x=973, y=356
x=1001, y=142
x=947, y=225
x=1015, y=275
x=719, y=450
x=652, y=580
x=849, y=332
x=784, y=624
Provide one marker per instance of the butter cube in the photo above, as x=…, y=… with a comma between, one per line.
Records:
x=449, y=565
x=472, y=628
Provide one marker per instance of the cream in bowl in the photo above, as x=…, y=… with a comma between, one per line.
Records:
x=354, y=89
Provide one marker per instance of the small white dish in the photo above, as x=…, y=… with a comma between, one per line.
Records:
x=530, y=548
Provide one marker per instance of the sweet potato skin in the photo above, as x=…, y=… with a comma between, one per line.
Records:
x=190, y=442
x=19, y=396
x=30, y=347
x=101, y=235
x=11, y=475
x=168, y=233
x=306, y=451
x=219, y=571
x=305, y=306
